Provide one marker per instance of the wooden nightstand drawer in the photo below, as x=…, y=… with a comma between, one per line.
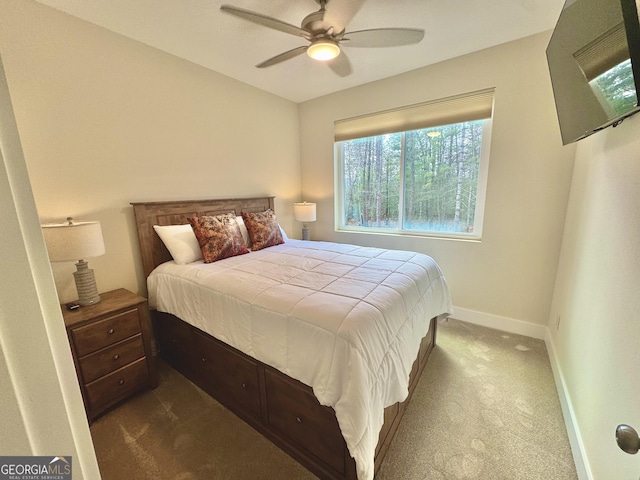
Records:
x=106, y=332
x=111, y=358
x=117, y=385
x=112, y=349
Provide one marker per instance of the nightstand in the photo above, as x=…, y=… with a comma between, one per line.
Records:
x=111, y=347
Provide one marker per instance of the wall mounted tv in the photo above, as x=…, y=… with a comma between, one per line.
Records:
x=594, y=63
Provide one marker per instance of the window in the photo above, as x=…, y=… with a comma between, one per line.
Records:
x=615, y=89
x=428, y=180
x=606, y=65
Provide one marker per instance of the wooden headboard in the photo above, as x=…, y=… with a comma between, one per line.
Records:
x=148, y=214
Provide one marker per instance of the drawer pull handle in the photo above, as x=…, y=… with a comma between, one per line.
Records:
x=204, y=359
x=116, y=356
x=299, y=419
x=121, y=382
x=244, y=385
x=111, y=331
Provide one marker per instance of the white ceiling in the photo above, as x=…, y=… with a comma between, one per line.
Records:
x=198, y=31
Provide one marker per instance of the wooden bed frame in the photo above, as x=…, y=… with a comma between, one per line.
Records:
x=283, y=409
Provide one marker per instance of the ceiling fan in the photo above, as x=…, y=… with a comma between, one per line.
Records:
x=324, y=41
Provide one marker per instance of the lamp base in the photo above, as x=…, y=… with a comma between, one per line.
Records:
x=306, y=235
x=86, y=284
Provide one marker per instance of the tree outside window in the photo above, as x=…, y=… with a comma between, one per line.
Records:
x=426, y=181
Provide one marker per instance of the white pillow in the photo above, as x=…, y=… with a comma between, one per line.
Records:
x=180, y=241
x=244, y=231
x=284, y=235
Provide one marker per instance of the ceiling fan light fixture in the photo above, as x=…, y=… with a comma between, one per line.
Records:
x=323, y=49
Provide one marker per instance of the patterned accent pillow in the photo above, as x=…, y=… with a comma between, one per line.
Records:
x=219, y=237
x=263, y=228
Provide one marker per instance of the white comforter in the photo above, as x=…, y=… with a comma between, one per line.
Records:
x=343, y=319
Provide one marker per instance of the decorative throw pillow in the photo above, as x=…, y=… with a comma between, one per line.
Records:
x=219, y=237
x=263, y=228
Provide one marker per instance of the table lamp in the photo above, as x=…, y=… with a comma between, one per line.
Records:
x=305, y=212
x=75, y=241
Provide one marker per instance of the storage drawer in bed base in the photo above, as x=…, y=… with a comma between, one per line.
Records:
x=281, y=408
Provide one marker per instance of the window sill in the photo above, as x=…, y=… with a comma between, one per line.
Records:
x=427, y=235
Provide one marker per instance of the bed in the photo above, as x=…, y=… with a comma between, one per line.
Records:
x=317, y=345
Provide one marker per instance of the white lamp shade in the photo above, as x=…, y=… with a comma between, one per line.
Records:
x=73, y=241
x=304, y=212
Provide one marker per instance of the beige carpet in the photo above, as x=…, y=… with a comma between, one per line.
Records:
x=486, y=407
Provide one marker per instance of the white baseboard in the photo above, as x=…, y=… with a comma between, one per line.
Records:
x=573, y=430
x=541, y=332
x=505, y=324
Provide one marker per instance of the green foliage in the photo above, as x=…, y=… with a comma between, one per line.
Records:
x=440, y=175
x=618, y=88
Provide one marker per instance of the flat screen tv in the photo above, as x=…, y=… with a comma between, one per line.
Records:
x=594, y=63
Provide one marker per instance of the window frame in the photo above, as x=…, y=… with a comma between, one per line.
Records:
x=483, y=174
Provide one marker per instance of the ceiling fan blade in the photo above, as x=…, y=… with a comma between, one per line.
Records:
x=283, y=56
x=265, y=21
x=340, y=13
x=383, y=37
x=340, y=65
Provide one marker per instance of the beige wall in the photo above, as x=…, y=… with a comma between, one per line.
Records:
x=597, y=297
x=40, y=401
x=105, y=121
x=510, y=274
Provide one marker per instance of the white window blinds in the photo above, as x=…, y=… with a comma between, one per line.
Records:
x=460, y=108
x=604, y=53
